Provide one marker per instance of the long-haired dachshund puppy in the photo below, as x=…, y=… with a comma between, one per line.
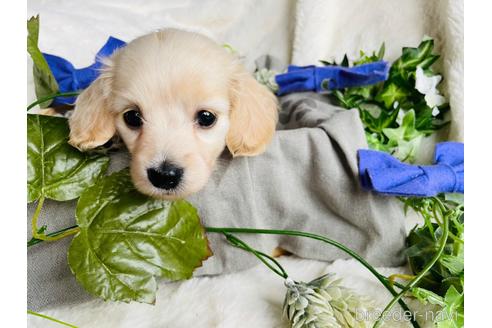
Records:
x=176, y=99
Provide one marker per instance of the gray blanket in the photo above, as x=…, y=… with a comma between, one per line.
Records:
x=306, y=180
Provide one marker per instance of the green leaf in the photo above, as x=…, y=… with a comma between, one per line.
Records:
x=348, y=101
x=127, y=239
x=422, y=245
x=374, y=142
x=391, y=93
x=345, y=61
x=44, y=81
x=327, y=63
x=364, y=59
x=381, y=51
x=452, y=315
x=455, y=264
x=55, y=169
x=379, y=123
x=396, y=93
x=406, y=138
x=455, y=198
x=408, y=126
x=426, y=296
x=412, y=57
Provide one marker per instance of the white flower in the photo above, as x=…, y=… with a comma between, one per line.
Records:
x=427, y=85
x=434, y=100
x=435, y=111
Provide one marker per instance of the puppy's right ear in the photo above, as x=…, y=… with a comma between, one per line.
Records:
x=92, y=123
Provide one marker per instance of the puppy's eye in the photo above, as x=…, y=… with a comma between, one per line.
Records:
x=205, y=119
x=133, y=118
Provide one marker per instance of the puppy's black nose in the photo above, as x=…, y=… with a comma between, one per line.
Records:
x=167, y=176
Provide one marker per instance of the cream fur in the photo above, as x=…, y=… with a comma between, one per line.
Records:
x=170, y=75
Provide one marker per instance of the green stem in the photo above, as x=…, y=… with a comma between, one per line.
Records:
x=50, y=318
x=35, y=241
x=35, y=216
x=227, y=231
x=60, y=94
x=260, y=255
x=356, y=256
x=428, y=266
x=42, y=236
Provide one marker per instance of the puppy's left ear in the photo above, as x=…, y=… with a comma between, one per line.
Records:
x=253, y=117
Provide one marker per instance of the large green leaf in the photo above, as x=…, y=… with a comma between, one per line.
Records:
x=44, y=81
x=127, y=239
x=55, y=169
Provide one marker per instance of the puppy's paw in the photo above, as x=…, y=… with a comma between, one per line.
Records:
x=86, y=141
x=48, y=112
x=279, y=251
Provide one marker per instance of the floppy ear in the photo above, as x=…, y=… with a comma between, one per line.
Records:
x=92, y=123
x=253, y=117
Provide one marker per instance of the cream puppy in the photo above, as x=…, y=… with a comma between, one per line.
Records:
x=177, y=99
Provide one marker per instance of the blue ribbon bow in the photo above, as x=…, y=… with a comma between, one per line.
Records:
x=71, y=79
x=319, y=79
x=383, y=173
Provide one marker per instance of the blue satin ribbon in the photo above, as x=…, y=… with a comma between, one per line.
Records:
x=383, y=173
x=322, y=79
x=71, y=79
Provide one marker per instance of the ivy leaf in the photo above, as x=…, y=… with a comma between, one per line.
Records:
x=405, y=138
x=455, y=264
x=374, y=142
x=407, y=129
x=327, y=63
x=426, y=296
x=44, y=82
x=452, y=315
x=413, y=57
x=55, y=169
x=348, y=101
x=345, y=61
x=127, y=239
x=379, y=123
x=364, y=58
x=381, y=52
x=390, y=94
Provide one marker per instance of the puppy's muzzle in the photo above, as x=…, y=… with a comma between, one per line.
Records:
x=167, y=176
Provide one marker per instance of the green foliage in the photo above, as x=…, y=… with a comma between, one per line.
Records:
x=397, y=116
x=405, y=139
x=443, y=285
x=127, y=239
x=451, y=305
x=381, y=105
x=55, y=169
x=44, y=81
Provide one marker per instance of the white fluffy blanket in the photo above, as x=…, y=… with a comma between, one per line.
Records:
x=306, y=32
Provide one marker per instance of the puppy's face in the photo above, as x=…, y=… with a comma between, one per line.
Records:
x=177, y=99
